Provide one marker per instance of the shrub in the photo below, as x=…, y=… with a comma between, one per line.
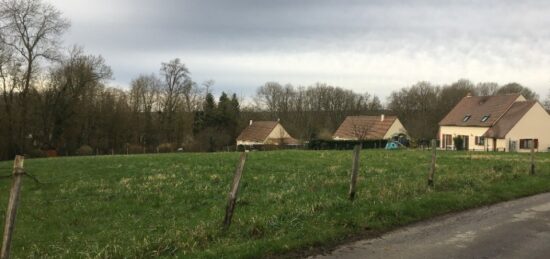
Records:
x=34, y=153
x=51, y=153
x=166, y=147
x=85, y=150
x=135, y=149
x=346, y=144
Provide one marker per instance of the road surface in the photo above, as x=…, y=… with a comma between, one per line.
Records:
x=514, y=229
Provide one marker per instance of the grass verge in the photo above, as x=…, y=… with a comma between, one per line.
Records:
x=173, y=204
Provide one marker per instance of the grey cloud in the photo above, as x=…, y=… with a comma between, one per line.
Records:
x=493, y=32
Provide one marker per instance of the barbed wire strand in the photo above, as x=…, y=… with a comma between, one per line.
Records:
x=25, y=174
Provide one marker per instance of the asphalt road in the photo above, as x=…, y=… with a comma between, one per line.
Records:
x=514, y=229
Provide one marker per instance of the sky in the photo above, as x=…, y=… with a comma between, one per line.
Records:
x=367, y=46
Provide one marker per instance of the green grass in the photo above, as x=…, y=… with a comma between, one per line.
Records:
x=173, y=205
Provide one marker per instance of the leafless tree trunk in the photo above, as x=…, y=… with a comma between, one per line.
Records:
x=175, y=76
x=32, y=30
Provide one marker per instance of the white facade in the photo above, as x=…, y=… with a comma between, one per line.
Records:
x=535, y=124
x=277, y=133
x=395, y=129
x=470, y=132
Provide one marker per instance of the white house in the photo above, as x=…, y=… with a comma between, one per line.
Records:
x=265, y=133
x=369, y=127
x=496, y=123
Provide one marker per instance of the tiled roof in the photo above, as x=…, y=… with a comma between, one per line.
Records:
x=509, y=119
x=368, y=127
x=477, y=107
x=257, y=131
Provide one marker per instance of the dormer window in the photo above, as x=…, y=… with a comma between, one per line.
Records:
x=466, y=118
x=485, y=118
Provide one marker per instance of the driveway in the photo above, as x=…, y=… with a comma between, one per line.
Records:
x=514, y=229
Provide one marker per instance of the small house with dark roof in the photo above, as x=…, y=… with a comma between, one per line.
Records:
x=265, y=133
x=496, y=123
x=369, y=127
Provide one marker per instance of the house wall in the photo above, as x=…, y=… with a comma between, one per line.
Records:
x=278, y=132
x=395, y=128
x=471, y=132
x=521, y=99
x=502, y=144
x=248, y=143
x=534, y=124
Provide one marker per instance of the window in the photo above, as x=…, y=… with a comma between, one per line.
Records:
x=485, y=118
x=466, y=118
x=480, y=141
x=526, y=143
x=447, y=141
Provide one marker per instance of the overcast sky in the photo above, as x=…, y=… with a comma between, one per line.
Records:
x=367, y=46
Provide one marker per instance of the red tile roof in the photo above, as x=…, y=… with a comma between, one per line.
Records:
x=509, y=119
x=367, y=127
x=257, y=131
x=478, y=106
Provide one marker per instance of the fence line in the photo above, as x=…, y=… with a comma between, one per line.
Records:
x=13, y=203
x=432, y=166
x=354, y=170
x=232, y=196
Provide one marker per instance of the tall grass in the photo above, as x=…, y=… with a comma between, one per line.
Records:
x=173, y=204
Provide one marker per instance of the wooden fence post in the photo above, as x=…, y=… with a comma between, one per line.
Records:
x=232, y=197
x=354, y=171
x=13, y=202
x=432, y=167
x=532, y=156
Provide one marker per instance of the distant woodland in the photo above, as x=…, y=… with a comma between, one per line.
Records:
x=57, y=101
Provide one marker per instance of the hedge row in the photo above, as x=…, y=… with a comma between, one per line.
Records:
x=319, y=144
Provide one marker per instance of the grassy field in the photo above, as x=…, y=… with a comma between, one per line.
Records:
x=173, y=204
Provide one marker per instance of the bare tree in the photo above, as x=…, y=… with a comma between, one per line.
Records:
x=360, y=129
x=144, y=93
x=418, y=106
x=268, y=96
x=207, y=84
x=192, y=96
x=176, y=79
x=144, y=99
x=72, y=84
x=486, y=89
x=519, y=89
x=10, y=76
x=31, y=29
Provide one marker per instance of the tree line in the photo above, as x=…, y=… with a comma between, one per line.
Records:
x=311, y=112
x=421, y=106
x=57, y=101
x=315, y=112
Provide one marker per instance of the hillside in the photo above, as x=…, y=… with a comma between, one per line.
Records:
x=173, y=204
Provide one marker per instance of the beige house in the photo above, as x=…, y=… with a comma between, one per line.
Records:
x=496, y=123
x=265, y=133
x=369, y=127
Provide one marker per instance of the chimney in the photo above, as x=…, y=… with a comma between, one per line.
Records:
x=382, y=117
x=278, y=119
x=250, y=123
x=469, y=94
